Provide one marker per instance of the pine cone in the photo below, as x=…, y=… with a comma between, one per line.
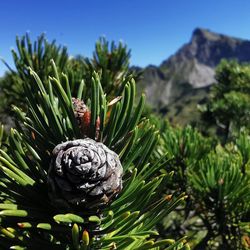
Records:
x=84, y=174
x=83, y=116
x=80, y=110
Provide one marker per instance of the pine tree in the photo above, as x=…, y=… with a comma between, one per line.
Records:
x=35, y=55
x=111, y=62
x=228, y=105
x=65, y=138
x=217, y=181
x=221, y=190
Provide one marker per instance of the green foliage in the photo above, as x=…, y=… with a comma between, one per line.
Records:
x=110, y=61
x=184, y=148
x=230, y=98
x=243, y=144
x=3, y=136
x=28, y=219
x=36, y=56
x=217, y=181
x=160, y=165
x=222, y=194
x=216, y=178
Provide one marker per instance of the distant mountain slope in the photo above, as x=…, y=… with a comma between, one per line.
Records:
x=191, y=67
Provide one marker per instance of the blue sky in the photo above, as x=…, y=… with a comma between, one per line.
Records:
x=153, y=29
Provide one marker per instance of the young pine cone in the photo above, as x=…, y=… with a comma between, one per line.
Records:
x=80, y=110
x=83, y=116
x=84, y=174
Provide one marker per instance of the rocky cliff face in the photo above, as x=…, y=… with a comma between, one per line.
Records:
x=191, y=67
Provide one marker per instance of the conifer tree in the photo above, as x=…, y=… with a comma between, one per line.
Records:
x=35, y=55
x=228, y=104
x=75, y=172
x=110, y=61
x=217, y=181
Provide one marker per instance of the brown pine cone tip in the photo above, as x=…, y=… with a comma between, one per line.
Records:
x=83, y=117
x=79, y=109
x=84, y=174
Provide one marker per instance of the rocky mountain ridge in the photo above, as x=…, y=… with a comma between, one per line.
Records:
x=191, y=67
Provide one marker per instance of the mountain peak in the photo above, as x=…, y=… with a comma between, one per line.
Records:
x=200, y=33
x=208, y=48
x=192, y=66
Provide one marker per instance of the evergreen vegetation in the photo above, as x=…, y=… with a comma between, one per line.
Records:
x=228, y=106
x=29, y=218
x=181, y=189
